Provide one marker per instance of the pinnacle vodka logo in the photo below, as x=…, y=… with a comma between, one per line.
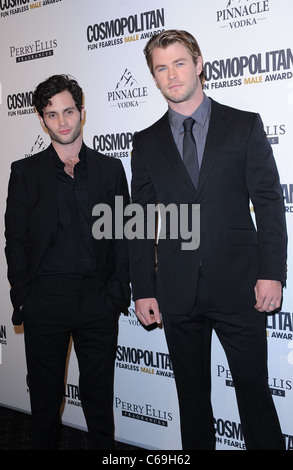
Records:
x=242, y=13
x=127, y=93
x=38, y=146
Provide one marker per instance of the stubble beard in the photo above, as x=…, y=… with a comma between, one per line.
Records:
x=190, y=92
x=65, y=141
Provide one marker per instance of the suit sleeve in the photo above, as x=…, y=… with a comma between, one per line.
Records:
x=142, y=251
x=267, y=199
x=16, y=234
x=120, y=250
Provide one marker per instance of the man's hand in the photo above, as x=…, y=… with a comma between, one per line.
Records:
x=268, y=295
x=147, y=311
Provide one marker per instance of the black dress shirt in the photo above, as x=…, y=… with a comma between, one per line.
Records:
x=72, y=254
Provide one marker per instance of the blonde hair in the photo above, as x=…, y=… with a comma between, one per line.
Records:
x=165, y=39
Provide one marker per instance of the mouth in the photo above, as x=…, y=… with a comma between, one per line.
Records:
x=175, y=86
x=65, y=131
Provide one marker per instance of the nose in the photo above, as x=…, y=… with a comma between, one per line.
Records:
x=62, y=121
x=172, y=73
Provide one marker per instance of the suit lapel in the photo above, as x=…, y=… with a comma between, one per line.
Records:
x=167, y=143
x=216, y=133
x=47, y=180
x=94, y=175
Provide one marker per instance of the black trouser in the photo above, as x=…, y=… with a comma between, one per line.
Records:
x=243, y=337
x=56, y=309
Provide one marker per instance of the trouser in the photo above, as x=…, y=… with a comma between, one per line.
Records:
x=243, y=337
x=57, y=309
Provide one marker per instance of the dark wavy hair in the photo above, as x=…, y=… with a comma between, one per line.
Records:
x=54, y=85
x=171, y=36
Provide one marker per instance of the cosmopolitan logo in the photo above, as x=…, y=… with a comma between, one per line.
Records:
x=268, y=62
x=288, y=441
x=258, y=68
x=6, y=4
x=239, y=14
x=229, y=433
x=288, y=197
x=20, y=103
x=143, y=412
x=278, y=386
x=143, y=360
x=37, y=50
x=3, y=340
x=71, y=395
x=12, y=7
x=115, y=145
x=280, y=325
x=125, y=29
x=3, y=334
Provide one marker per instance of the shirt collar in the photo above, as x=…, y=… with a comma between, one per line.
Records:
x=201, y=114
x=58, y=161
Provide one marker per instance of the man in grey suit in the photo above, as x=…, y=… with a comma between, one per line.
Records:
x=237, y=273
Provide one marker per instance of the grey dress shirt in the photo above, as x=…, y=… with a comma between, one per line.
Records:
x=202, y=117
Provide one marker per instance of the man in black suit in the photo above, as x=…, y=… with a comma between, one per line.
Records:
x=236, y=275
x=64, y=282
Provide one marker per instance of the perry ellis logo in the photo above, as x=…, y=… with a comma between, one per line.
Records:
x=143, y=412
x=278, y=386
x=35, y=50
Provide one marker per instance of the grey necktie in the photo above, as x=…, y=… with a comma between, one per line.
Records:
x=190, y=157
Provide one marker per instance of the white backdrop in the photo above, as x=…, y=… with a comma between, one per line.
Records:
x=246, y=46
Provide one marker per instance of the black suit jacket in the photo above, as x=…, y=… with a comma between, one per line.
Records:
x=237, y=166
x=31, y=222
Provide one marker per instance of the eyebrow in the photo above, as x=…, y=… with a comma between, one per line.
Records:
x=64, y=111
x=183, y=59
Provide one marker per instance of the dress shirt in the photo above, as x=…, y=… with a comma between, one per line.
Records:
x=72, y=254
x=202, y=117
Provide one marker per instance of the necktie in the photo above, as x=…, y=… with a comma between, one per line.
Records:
x=190, y=158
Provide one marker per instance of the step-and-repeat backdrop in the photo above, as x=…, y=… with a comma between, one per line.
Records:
x=247, y=48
